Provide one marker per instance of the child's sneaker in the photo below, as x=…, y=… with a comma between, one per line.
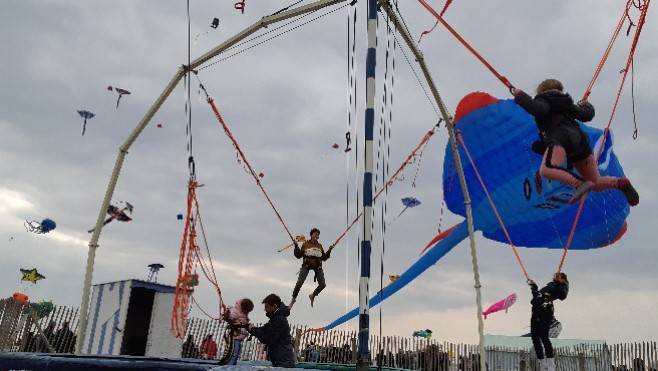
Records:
x=627, y=189
x=583, y=188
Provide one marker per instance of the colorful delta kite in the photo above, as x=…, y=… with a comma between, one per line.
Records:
x=45, y=226
x=535, y=211
x=121, y=92
x=85, y=115
x=31, y=275
x=500, y=305
x=118, y=214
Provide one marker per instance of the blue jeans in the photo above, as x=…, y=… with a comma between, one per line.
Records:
x=237, y=346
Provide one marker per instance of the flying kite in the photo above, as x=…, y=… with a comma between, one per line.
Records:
x=407, y=202
x=121, y=92
x=427, y=334
x=334, y=146
x=45, y=226
x=240, y=5
x=85, y=115
x=153, y=273
x=500, y=305
x=40, y=309
x=31, y=275
x=21, y=297
x=535, y=211
x=118, y=214
x=213, y=25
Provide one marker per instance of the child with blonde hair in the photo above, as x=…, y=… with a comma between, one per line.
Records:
x=562, y=139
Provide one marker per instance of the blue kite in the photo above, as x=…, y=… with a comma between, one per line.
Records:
x=498, y=135
x=409, y=202
x=45, y=226
x=85, y=115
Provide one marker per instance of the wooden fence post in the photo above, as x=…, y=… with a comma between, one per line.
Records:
x=353, y=341
x=298, y=336
x=581, y=362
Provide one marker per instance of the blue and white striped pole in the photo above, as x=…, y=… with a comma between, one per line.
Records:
x=363, y=358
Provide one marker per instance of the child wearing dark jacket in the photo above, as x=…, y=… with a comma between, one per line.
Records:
x=542, y=315
x=561, y=138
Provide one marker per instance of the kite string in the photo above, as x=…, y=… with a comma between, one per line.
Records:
x=491, y=202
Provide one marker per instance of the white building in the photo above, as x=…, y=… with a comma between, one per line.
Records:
x=131, y=317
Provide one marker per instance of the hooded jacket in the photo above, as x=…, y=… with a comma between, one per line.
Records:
x=542, y=300
x=235, y=314
x=275, y=334
x=553, y=108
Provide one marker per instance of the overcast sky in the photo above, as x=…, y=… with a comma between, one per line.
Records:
x=286, y=102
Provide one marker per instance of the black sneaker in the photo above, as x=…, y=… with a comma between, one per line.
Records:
x=627, y=189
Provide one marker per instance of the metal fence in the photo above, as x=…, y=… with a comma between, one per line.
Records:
x=22, y=331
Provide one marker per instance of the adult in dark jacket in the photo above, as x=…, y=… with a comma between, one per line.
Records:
x=313, y=255
x=542, y=315
x=561, y=138
x=275, y=334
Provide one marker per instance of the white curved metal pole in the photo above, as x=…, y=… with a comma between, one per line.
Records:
x=123, y=150
x=458, y=166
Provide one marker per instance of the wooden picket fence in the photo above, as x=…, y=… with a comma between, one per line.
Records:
x=20, y=331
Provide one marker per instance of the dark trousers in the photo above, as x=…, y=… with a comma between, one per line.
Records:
x=539, y=332
x=303, y=273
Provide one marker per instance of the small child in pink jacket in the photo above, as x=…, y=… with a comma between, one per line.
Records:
x=236, y=316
